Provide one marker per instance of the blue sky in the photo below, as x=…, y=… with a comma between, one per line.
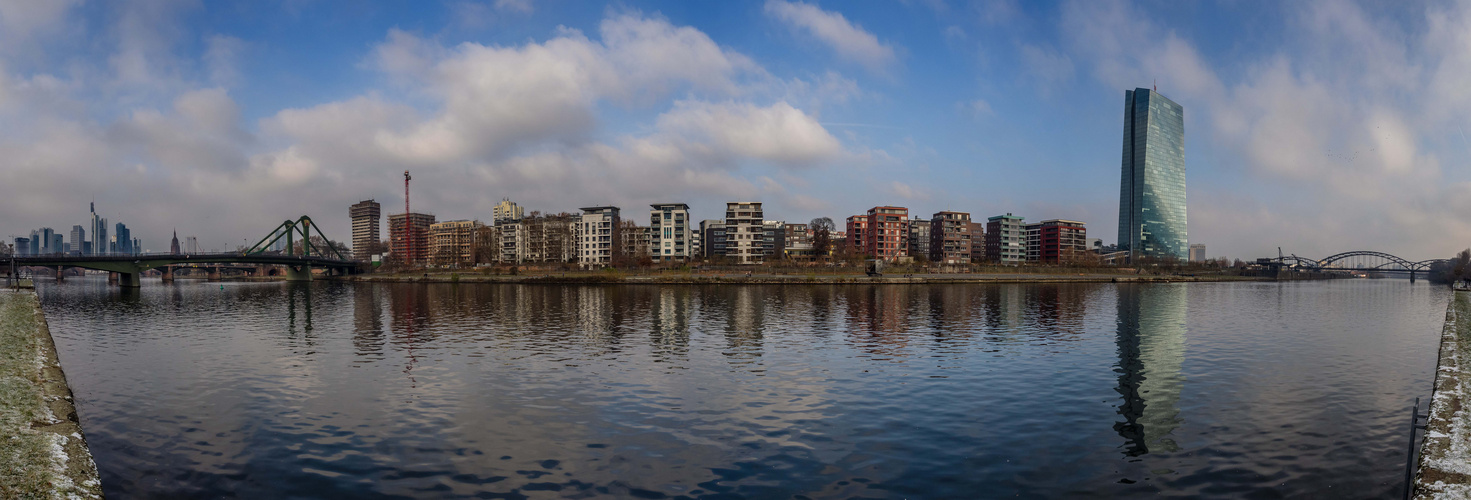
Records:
x=1318, y=127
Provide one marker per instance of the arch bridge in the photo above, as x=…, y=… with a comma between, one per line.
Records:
x=298, y=261
x=1357, y=260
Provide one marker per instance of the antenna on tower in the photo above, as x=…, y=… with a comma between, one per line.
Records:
x=1156, y=85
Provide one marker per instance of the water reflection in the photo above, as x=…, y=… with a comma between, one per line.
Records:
x=1151, y=350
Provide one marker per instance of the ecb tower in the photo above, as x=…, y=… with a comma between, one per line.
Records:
x=1152, y=188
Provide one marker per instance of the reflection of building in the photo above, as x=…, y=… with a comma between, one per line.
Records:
x=365, y=215
x=409, y=243
x=1151, y=349
x=1152, y=188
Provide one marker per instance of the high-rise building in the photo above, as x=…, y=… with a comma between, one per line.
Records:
x=950, y=238
x=773, y=240
x=57, y=241
x=506, y=211
x=36, y=244
x=22, y=246
x=635, y=240
x=1005, y=239
x=409, y=242
x=191, y=245
x=597, y=235
x=365, y=215
x=1152, y=219
x=857, y=229
x=452, y=242
x=137, y=246
x=1197, y=252
x=99, y=231
x=918, y=233
x=124, y=239
x=672, y=239
x=174, y=244
x=78, y=237
x=886, y=237
x=745, y=234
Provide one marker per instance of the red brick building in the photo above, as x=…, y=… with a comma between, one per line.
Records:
x=1061, y=241
x=887, y=235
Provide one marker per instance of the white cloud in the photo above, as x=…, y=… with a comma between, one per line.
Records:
x=849, y=41
x=222, y=57
x=521, y=6
x=779, y=133
x=20, y=19
x=1046, y=64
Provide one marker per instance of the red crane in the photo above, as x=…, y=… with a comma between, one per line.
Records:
x=408, y=226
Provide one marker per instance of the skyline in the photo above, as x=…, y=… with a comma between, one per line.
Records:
x=1319, y=128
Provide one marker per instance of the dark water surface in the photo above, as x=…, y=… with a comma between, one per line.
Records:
x=334, y=390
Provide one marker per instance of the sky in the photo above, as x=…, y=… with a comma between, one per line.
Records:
x=1317, y=127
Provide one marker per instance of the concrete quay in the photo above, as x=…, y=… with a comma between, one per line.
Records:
x=43, y=453
x=1445, y=458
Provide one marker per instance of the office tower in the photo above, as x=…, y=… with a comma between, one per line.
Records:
x=78, y=238
x=99, y=231
x=137, y=246
x=1005, y=239
x=506, y=211
x=1197, y=252
x=598, y=239
x=124, y=239
x=365, y=237
x=56, y=242
x=191, y=244
x=672, y=234
x=35, y=243
x=174, y=244
x=22, y=246
x=1152, y=220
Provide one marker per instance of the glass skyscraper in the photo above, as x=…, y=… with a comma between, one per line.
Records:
x=1152, y=189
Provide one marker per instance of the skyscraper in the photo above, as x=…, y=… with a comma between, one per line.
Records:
x=124, y=239
x=174, y=245
x=365, y=237
x=99, y=231
x=1152, y=187
x=79, y=237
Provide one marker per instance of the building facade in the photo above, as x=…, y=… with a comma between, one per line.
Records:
x=597, y=235
x=635, y=241
x=1197, y=252
x=1057, y=241
x=918, y=233
x=857, y=228
x=366, y=216
x=78, y=240
x=745, y=234
x=773, y=240
x=452, y=243
x=712, y=238
x=673, y=236
x=408, y=237
x=505, y=211
x=122, y=236
x=885, y=236
x=950, y=238
x=1152, y=221
x=1005, y=240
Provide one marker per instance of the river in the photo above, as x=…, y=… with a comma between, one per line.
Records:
x=341, y=390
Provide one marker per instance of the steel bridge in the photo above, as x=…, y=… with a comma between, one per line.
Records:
x=1358, y=260
x=297, y=261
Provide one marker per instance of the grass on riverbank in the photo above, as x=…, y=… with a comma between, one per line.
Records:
x=32, y=463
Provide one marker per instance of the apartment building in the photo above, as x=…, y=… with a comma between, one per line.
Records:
x=885, y=236
x=857, y=229
x=745, y=232
x=1056, y=241
x=712, y=238
x=917, y=231
x=1005, y=239
x=672, y=236
x=950, y=238
x=366, y=216
x=408, y=237
x=506, y=211
x=797, y=243
x=597, y=235
x=773, y=240
x=452, y=243
x=635, y=241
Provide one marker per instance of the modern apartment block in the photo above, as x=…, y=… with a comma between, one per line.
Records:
x=597, y=235
x=1056, y=241
x=1197, y=252
x=635, y=241
x=408, y=237
x=745, y=234
x=366, y=216
x=950, y=238
x=1152, y=219
x=857, y=229
x=506, y=211
x=977, y=241
x=797, y=243
x=712, y=238
x=673, y=237
x=452, y=242
x=885, y=236
x=1005, y=240
x=917, y=232
x=773, y=240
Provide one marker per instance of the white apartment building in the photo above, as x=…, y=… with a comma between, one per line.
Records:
x=745, y=234
x=597, y=237
x=672, y=238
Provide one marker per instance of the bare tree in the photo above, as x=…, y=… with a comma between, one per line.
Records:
x=822, y=236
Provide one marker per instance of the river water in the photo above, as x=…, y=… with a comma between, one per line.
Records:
x=339, y=390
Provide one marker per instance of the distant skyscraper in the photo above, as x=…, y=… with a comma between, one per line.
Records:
x=1197, y=252
x=137, y=246
x=1152, y=188
x=124, y=239
x=22, y=246
x=191, y=244
x=174, y=245
x=99, y=231
x=56, y=243
x=365, y=215
x=78, y=239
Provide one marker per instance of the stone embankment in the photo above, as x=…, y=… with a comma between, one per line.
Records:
x=42, y=451
x=1445, y=458
x=784, y=279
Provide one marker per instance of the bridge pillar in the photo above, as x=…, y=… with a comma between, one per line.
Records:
x=168, y=274
x=1412, y=277
x=111, y=278
x=298, y=273
x=129, y=280
x=60, y=276
x=214, y=274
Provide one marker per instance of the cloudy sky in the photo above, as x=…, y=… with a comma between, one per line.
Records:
x=1316, y=126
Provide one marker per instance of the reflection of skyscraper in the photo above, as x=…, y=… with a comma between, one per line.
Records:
x=1151, y=348
x=1152, y=189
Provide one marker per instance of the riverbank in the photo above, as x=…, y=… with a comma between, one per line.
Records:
x=44, y=453
x=780, y=279
x=1445, y=459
